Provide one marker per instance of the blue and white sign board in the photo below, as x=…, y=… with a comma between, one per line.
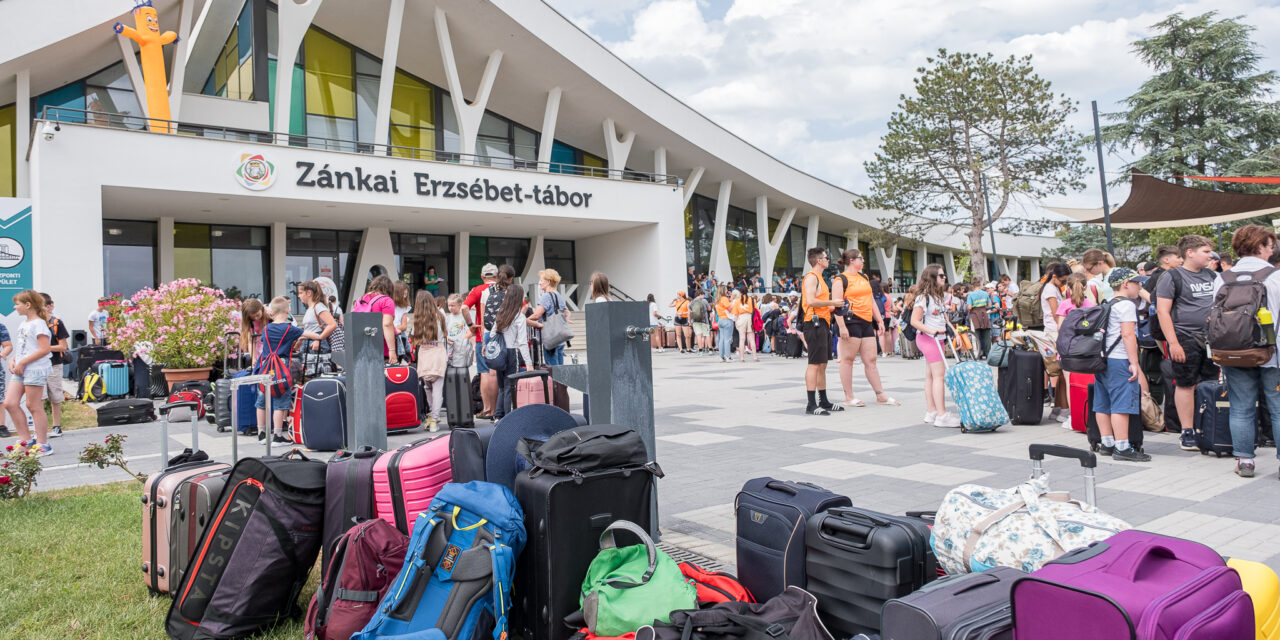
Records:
x=15, y=250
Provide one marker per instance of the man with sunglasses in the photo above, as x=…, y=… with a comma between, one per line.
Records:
x=816, y=306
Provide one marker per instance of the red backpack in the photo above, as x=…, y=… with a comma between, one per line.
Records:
x=715, y=586
x=275, y=366
x=366, y=560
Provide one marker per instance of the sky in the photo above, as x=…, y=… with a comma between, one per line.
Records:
x=813, y=82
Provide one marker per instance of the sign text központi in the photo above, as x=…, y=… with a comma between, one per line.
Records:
x=481, y=189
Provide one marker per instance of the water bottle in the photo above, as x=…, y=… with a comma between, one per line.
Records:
x=1268, y=325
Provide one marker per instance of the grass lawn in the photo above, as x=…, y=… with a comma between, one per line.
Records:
x=76, y=415
x=71, y=568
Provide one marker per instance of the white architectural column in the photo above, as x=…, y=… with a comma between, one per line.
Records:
x=886, y=260
x=279, y=242
x=691, y=184
x=536, y=262
x=811, y=233
x=468, y=114
x=660, y=161
x=180, y=54
x=617, y=149
x=548, y=134
x=22, y=123
x=770, y=245
x=375, y=251
x=295, y=18
x=851, y=241
x=922, y=255
x=387, y=80
x=135, y=73
x=462, y=261
x=164, y=247
x=949, y=264
x=1035, y=271
x=719, y=248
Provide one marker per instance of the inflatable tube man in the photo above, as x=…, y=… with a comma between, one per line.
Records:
x=146, y=32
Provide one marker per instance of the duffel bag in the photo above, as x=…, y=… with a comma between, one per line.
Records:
x=790, y=615
x=978, y=527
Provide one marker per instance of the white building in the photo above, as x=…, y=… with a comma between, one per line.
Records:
x=409, y=134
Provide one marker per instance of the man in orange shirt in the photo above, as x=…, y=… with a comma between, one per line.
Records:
x=816, y=306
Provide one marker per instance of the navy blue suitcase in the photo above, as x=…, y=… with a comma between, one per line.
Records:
x=1212, y=419
x=324, y=413
x=771, y=516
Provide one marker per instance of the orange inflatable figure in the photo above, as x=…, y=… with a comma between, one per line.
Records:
x=150, y=42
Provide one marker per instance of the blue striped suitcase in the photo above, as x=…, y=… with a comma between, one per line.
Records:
x=117, y=375
x=973, y=389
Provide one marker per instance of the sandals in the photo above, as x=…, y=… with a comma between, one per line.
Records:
x=817, y=411
x=890, y=402
x=854, y=403
x=833, y=408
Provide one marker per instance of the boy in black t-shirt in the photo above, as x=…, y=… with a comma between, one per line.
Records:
x=59, y=343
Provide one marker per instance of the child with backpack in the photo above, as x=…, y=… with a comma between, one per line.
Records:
x=1116, y=391
x=1184, y=296
x=278, y=338
x=1252, y=288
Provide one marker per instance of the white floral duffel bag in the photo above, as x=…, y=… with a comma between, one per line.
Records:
x=978, y=527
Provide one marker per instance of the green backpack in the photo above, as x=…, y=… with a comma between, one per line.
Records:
x=629, y=587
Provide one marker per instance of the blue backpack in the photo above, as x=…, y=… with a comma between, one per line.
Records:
x=456, y=580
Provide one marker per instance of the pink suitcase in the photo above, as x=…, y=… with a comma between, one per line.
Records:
x=532, y=387
x=405, y=480
x=1134, y=585
x=404, y=398
x=160, y=498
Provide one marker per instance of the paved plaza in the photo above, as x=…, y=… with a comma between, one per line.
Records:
x=721, y=424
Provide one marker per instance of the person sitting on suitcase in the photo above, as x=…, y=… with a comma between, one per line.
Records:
x=1116, y=392
x=279, y=335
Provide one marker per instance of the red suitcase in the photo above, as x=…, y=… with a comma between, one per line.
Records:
x=404, y=398
x=405, y=480
x=1078, y=399
x=295, y=415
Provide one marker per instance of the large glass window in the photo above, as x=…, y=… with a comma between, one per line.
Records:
x=559, y=255
x=8, y=151
x=906, y=273
x=330, y=90
x=69, y=97
x=418, y=252
x=412, y=116
x=313, y=253
x=232, y=75
x=231, y=258
x=109, y=98
x=128, y=256
x=499, y=251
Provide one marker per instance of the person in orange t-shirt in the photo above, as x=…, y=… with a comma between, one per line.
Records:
x=860, y=325
x=724, y=321
x=684, y=330
x=744, y=308
x=816, y=306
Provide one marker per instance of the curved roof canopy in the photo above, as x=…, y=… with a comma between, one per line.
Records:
x=1154, y=204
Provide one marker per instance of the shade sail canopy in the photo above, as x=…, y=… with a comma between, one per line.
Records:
x=1156, y=204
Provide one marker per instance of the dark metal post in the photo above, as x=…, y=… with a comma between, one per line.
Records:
x=991, y=226
x=365, y=379
x=1102, y=177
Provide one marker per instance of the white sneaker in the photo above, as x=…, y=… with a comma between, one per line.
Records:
x=1064, y=415
x=947, y=420
x=1066, y=424
x=930, y=417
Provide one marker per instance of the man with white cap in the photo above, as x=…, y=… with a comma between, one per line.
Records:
x=475, y=300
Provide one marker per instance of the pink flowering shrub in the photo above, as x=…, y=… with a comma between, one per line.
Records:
x=180, y=324
x=19, y=467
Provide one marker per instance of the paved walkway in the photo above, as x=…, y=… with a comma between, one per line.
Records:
x=722, y=424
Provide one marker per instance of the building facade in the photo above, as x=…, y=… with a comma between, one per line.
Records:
x=406, y=136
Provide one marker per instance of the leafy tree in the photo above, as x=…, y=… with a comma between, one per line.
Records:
x=1132, y=245
x=970, y=116
x=1205, y=111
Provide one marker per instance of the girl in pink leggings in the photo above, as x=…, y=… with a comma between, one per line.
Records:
x=929, y=318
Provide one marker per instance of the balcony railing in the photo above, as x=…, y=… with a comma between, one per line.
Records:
x=64, y=115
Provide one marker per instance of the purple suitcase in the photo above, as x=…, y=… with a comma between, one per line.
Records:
x=1134, y=585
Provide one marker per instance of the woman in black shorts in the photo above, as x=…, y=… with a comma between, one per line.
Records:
x=859, y=324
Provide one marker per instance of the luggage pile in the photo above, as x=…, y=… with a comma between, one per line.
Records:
x=991, y=564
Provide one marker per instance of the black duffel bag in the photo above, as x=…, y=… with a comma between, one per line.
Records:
x=584, y=449
x=790, y=615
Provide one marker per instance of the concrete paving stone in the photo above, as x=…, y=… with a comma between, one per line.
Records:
x=698, y=438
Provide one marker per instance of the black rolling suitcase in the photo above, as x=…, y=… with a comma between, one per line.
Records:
x=1025, y=387
x=92, y=354
x=467, y=447
x=857, y=560
x=348, y=495
x=771, y=517
x=1212, y=419
x=324, y=413
x=1095, y=436
x=973, y=606
x=126, y=411
x=457, y=398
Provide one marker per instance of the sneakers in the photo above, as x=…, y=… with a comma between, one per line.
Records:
x=1064, y=415
x=1188, y=441
x=930, y=417
x=1066, y=424
x=280, y=439
x=1130, y=455
x=55, y=432
x=1244, y=468
x=1104, y=450
x=4, y=432
x=431, y=425
x=44, y=450
x=947, y=421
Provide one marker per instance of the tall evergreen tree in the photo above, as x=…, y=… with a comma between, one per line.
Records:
x=1206, y=109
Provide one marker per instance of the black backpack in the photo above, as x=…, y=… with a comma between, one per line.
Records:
x=1236, y=337
x=588, y=448
x=1082, y=339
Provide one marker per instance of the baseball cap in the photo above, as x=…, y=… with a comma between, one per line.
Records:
x=488, y=270
x=1215, y=255
x=989, y=285
x=1120, y=275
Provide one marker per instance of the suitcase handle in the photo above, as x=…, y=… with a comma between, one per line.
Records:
x=861, y=535
x=927, y=516
x=789, y=488
x=1087, y=458
x=178, y=404
x=1132, y=562
x=849, y=512
x=529, y=373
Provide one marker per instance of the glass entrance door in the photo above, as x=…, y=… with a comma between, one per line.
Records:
x=418, y=254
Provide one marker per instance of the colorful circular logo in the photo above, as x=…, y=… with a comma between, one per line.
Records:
x=255, y=173
x=11, y=253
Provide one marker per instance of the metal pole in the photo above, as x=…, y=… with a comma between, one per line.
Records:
x=991, y=226
x=1102, y=177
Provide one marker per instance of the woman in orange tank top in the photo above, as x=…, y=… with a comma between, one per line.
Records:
x=743, y=309
x=859, y=324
